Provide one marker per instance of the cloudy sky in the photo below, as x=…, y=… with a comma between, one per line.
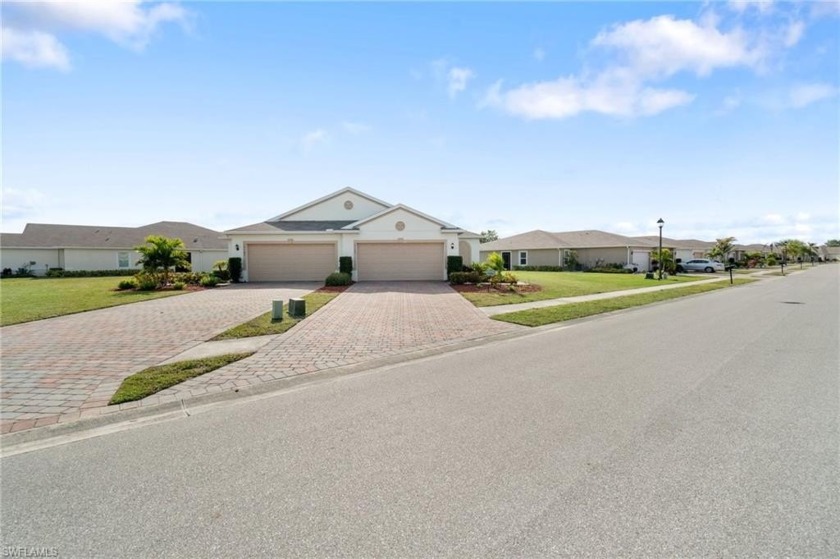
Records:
x=719, y=117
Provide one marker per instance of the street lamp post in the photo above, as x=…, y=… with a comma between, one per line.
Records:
x=660, y=223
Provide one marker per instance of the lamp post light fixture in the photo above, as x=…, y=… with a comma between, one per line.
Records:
x=660, y=223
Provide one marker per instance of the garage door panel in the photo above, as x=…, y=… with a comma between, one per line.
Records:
x=400, y=261
x=291, y=262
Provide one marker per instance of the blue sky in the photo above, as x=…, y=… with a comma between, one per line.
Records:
x=719, y=117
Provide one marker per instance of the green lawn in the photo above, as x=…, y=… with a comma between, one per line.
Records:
x=27, y=299
x=154, y=379
x=568, y=284
x=560, y=313
x=263, y=326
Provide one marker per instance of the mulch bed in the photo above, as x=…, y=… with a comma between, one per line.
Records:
x=504, y=288
x=332, y=289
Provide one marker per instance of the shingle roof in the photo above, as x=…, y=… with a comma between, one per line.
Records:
x=282, y=225
x=49, y=235
x=686, y=244
x=539, y=239
x=592, y=238
x=533, y=240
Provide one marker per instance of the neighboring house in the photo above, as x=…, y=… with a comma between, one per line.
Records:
x=683, y=249
x=385, y=241
x=42, y=246
x=829, y=254
x=592, y=248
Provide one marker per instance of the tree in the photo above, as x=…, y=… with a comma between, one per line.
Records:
x=722, y=247
x=792, y=248
x=162, y=254
x=496, y=263
x=833, y=243
x=489, y=236
x=665, y=260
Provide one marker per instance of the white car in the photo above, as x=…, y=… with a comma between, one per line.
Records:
x=701, y=265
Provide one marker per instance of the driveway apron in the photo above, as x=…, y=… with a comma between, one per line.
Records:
x=371, y=320
x=68, y=367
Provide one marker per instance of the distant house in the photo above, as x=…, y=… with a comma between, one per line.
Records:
x=43, y=246
x=683, y=249
x=829, y=254
x=591, y=248
x=386, y=242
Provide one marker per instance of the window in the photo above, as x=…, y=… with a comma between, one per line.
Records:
x=123, y=260
x=523, y=258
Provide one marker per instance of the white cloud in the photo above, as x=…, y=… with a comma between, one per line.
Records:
x=741, y=6
x=773, y=219
x=539, y=54
x=611, y=93
x=34, y=49
x=730, y=103
x=20, y=203
x=794, y=33
x=31, y=29
x=311, y=139
x=457, y=80
x=355, y=127
x=663, y=46
x=803, y=95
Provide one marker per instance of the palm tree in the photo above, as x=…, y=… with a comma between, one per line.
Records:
x=162, y=253
x=664, y=260
x=722, y=247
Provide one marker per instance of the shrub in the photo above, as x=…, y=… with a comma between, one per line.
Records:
x=59, y=273
x=609, y=270
x=345, y=264
x=235, y=268
x=127, y=284
x=209, y=280
x=178, y=286
x=23, y=272
x=338, y=278
x=460, y=278
x=454, y=264
x=7, y=272
x=220, y=270
x=539, y=268
x=147, y=281
x=189, y=278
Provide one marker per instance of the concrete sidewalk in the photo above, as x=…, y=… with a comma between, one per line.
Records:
x=503, y=309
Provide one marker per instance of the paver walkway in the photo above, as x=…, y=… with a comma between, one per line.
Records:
x=371, y=320
x=68, y=367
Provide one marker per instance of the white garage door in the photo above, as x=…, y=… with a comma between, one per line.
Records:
x=291, y=262
x=400, y=261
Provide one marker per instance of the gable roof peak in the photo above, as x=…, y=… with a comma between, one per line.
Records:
x=345, y=190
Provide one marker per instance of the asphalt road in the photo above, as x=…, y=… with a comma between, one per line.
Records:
x=703, y=426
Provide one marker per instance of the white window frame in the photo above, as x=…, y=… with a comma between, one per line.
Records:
x=119, y=260
x=523, y=255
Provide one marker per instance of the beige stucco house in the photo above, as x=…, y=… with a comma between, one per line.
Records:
x=593, y=248
x=682, y=249
x=385, y=241
x=43, y=246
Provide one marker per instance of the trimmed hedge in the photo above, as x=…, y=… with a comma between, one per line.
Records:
x=235, y=268
x=460, y=278
x=338, y=278
x=454, y=264
x=59, y=273
x=609, y=270
x=539, y=269
x=345, y=264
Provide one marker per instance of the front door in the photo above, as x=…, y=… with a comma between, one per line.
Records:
x=506, y=259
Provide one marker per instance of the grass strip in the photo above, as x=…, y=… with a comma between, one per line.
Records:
x=264, y=326
x=154, y=379
x=571, y=311
x=28, y=299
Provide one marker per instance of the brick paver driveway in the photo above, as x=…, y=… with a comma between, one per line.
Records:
x=369, y=321
x=67, y=367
